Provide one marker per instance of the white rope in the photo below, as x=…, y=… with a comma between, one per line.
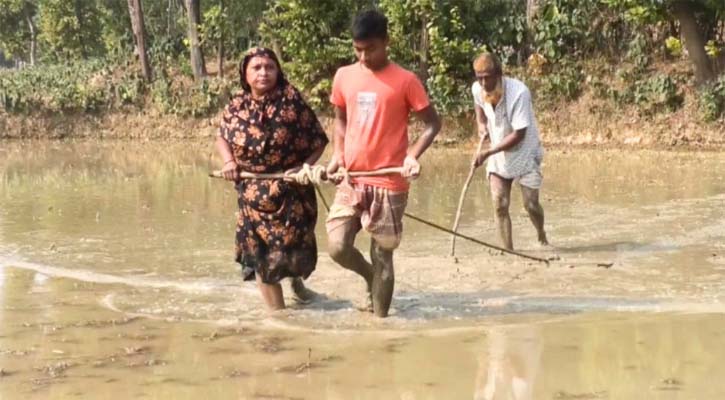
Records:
x=315, y=174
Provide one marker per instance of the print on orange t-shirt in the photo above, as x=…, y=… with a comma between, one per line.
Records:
x=378, y=104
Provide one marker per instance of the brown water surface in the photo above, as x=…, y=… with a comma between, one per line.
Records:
x=116, y=282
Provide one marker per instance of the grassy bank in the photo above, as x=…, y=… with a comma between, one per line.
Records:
x=572, y=124
x=590, y=103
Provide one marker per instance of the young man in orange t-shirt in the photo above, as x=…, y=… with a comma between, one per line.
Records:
x=373, y=99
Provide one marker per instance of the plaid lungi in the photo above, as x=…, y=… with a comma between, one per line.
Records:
x=378, y=210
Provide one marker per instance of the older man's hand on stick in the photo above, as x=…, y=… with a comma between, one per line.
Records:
x=481, y=158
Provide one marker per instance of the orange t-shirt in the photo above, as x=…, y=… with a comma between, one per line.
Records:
x=378, y=104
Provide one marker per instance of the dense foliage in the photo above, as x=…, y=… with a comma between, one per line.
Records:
x=79, y=55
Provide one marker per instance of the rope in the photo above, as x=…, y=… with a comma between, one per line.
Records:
x=474, y=240
x=308, y=174
x=312, y=174
x=440, y=228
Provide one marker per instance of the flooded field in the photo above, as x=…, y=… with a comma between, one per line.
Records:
x=117, y=281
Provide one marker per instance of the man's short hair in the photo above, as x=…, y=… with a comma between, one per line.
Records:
x=370, y=24
x=487, y=60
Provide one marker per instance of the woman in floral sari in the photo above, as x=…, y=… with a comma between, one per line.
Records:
x=267, y=128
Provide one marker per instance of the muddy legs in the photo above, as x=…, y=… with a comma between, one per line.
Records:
x=501, y=195
x=535, y=211
x=271, y=293
x=341, y=247
x=379, y=276
x=383, y=278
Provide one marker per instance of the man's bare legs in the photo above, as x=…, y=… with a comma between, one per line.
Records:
x=379, y=275
x=535, y=211
x=383, y=278
x=271, y=293
x=341, y=247
x=501, y=195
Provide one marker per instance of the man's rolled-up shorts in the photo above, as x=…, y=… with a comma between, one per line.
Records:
x=532, y=179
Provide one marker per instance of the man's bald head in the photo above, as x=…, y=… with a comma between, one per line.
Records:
x=488, y=62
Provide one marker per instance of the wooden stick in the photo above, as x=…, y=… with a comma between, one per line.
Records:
x=249, y=175
x=463, y=196
x=280, y=175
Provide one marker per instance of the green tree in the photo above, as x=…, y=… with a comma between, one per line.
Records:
x=314, y=35
x=198, y=66
x=18, y=30
x=429, y=36
x=215, y=30
x=230, y=26
x=117, y=33
x=71, y=29
x=691, y=15
x=139, y=33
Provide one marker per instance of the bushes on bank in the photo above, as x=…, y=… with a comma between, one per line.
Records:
x=712, y=100
x=92, y=87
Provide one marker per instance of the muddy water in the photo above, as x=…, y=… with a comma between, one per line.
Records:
x=116, y=282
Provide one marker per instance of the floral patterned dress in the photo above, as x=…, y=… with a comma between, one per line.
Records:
x=275, y=234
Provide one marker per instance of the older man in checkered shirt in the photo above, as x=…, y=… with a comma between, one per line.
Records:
x=505, y=115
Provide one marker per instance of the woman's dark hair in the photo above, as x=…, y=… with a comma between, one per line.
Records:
x=370, y=24
x=263, y=52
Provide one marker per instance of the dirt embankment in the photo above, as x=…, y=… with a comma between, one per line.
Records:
x=593, y=122
x=115, y=125
x=586, y=122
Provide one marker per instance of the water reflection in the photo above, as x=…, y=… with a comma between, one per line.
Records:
x=510, y=365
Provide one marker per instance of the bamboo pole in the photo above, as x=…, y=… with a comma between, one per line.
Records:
x=463, y=196
x=281, y=175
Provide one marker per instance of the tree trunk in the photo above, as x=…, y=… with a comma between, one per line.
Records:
x=81, y=27
x=220, y=45
x=33, y=39
x=197, y=57
x=694, y=42
x=220, y=56
x=276, y=48
x=169, y=7
x=139, y=35
x=424, y=49
x=532, y=7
